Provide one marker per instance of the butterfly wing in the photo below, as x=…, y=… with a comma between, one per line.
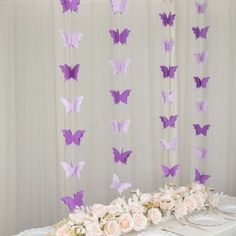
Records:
x=66, y=70
x=125, y=156
x=204, y=82
x=166, y=170
x=68, y=136
x=78, y=198
x=69, y=170
x=75, y=71
x=171, y=97
x=77, y=103
x=172, y=121
x=74, y=5
x=197, y=175
x=124, y=65
x=116, y=96
x=115, y=66
x=115, y=182
x=172, y=144
x=67, y=104
x=173, y=170
x=115, y=36
x=64, y=37
x=77, y=136
x=172, y=71
x=204, y=130
x=197, y=128
x=123, y=6
x=165, y=71
x=116, y=126
x=204, y=178
x=171, y=19
x=115, y=6
x=65, y=5
x=78, y=168
x=164, y=121
x=203, y=56
x=124, y=35
x=75, y=39
x=201, y=8
x=168, y=45
x=197, y=81
x=125, y=125
x=204, y=32
x=196, y=31
x=164, y=19
x=124, y=96
x=69, y=201
x=123, y=187
x=117, y=155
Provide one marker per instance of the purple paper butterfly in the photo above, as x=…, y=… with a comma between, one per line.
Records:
x=201, y=106
x=119, y=37
x=167, y=20
x=75, y=202
x=201, y=83
x=71, y=5
x=72, y=106
x=70, y=73
x=200, y=152
x=120, y=97
x=118, y=6
x=121, y=126
x=168, y=72
x=121, y=156
x=168, y=45
x=169, y=122
x=201, y=178
x=201, y=57
x=169, y=146
x=73, y=138
x=71, y=39
x=72, y=169
x=118, y=185
x=169, y=171
x=201, y=8
x=168, y=97
x=120, y=66
x=200, y=32
x=201, y=130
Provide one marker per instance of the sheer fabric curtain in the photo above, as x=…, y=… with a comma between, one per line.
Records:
x=32, y=116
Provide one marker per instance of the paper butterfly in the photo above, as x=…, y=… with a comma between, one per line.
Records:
x=169, y=122
x=167, y=20
x=201, y=178
x=71, y=5
x=70, y=73
x=71, y=39
x=72, y=170
x=168, y=72
x=75, y=202
x=200, y=152
x=201, y=57
x=119, y=37
x=73, y=138
x=118, y=185
x=121, y=126
x=168, y=97
x=201, y=8
x=169, y=145
x=168, y=45
x=201, y=106
x=120, y=66
x=169, y=171
x=200, y=32
x=120, y=97
x=201, y=130
x=121, y=156
x=201, y=83
x=72, y=106
x=118, y=6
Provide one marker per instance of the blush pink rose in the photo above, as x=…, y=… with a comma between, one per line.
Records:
x=140, y=222
x=126, y=222
x=154, y=215
x=112, y=229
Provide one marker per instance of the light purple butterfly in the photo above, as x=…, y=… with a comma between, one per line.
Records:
x=200, y=152
x=167, y=20
x=200, y=32
x=119, y=37
x=121, y=126
x=201, y=57
x=73, y=138
x=70, y=73
x=201, y=106
x=120, y=66
x=201, y=8
x=168, y=72
x=168, y=45
x=168, y=97
x=74, y=202
x=72, y=169
x=201, y=178
x=121, y=156
x=71, y=39
x=169, y=171
x=120, y=96
x=169, y=146
x=71, y=5
x=201, y=83
x=118, y=185
x=72, y=106
x=118, y=6
x=201, y=130
x=169, y=122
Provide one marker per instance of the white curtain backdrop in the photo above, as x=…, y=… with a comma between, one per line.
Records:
x=31, y=118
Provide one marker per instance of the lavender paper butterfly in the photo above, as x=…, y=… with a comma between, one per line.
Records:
x=169, y=171
x=201, y=83
x=73, y=138
x=71, y=5
x=201, y=8
x=201, y=57
x=71, y=39
x=167, y=20
x=169, y=122
x=74, y=202
x=168, y=72
x=121, y=126
x=168, y=45
x=201, y=130
x=72, y=169
x=119, y=37
x=200, y=152
x=201, y=178
x=118, y=185
x=201, y=106
x=72, y=106
x=168, y=97
x=169, y=146
x=121, y=156
x=120, y=97
x=118, y=6
x=120, y=66
x=70, y=73
x=200, y=32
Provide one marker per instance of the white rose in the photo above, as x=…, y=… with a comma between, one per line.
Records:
x=99, y=210
x=114, y=209
x=126, y=223
x=166, y=202
x=155, y=199
x=140, y=222
x=190, y=203
x=77, y=217
x=112, y=229
x=136, y=208
x=145, y=197
x=154, y=215
x=93, y=229
x=181, y=210
x=64, y=231
x=199, y=199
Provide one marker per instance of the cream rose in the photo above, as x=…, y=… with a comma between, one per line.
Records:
x=166, y=202
x=126, y=223
x=140, y=222
x=154, y=215
x=112, y=228
x=136, y=208
x=93, y=229
x=99, y=210
x=190, y=203
x=181, y=210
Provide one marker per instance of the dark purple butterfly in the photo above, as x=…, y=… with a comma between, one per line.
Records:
x=201, y=83
x=77, y=201
x=169, y=122
x=120, y=97
x=168, y=72
x=119, y=37
x=201, y=130
x=201, y=178
x=70, y=73
x=71, y=5
x=200, y=32
x=121, y=156
x=73, y=138
x=169, y=171
x=167, y=20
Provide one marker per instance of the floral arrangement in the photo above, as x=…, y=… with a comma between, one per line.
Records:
x=140, y=210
